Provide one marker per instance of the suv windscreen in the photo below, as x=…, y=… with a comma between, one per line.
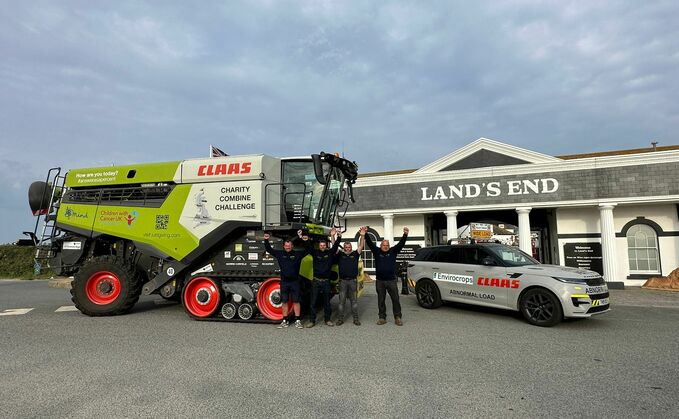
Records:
x=512, y=256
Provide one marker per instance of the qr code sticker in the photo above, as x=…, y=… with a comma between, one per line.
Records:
x=161, y=221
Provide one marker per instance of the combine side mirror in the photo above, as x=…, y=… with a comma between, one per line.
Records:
x=318, y=168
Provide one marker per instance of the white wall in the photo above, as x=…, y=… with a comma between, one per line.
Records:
x=663, y=215
x=587, y=220
x=414, y=222
x=578, y=220
x=353, y=224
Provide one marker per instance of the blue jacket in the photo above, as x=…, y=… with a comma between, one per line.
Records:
x=289, y=262
x=385, y=262
x=323, y=260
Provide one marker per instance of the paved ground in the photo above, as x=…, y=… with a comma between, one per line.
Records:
x=454, y=361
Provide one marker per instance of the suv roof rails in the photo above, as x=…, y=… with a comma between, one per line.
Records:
x=459, y=240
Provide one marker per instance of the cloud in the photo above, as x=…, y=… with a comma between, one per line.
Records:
x=394, y=84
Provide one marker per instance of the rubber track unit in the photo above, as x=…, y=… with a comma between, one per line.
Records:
x=219, y=318
x=130, y=286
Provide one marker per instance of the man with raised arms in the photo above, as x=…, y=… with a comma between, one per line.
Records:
x=289, y=261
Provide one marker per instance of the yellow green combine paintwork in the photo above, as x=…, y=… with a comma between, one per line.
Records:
x=188, y=229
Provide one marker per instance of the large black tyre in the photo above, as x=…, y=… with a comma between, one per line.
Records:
x=105, y=286
x=428, y=294
x=540, y=307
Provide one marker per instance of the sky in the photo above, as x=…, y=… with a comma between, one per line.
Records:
x=392, y=84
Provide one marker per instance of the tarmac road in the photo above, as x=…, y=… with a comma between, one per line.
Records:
x=453, y=361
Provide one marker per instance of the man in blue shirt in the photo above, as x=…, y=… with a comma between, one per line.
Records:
x=385, y=272
x=289, y=261
x=347, y=264
x=323, y=260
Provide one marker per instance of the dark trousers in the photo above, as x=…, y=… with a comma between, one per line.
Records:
x=348, y=290
x=384, y=287
x=320, y=286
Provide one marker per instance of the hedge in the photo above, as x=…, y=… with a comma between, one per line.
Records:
x=17, y=262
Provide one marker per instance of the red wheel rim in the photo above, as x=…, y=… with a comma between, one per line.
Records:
x=102, y=288
x=268, y=299
x=201, y=297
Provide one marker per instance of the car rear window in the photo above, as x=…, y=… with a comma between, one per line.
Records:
x=445, y=254
x=426, y=254
x=449, y=255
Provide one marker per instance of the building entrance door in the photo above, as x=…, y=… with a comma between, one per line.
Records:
x=505, y=229
x=436, y=232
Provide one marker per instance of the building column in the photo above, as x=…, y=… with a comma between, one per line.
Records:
x=388, y=227
x=524, y=230
x=451, y=224
x=608, y=252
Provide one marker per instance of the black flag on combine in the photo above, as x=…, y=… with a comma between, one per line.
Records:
x=215, y=152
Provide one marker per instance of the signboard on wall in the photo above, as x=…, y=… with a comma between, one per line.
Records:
x=408, y=252
x=584, y=256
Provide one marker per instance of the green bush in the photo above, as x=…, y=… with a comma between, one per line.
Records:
x=17, y=262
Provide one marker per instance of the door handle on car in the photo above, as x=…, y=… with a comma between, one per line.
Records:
x=434, y=268
x=470, y=272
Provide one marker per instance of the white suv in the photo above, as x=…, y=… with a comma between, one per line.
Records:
x=497, y=275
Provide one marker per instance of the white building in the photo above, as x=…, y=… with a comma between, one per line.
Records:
x=614, y=212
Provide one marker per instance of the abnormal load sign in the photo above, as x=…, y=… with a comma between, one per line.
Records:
x=480, y=231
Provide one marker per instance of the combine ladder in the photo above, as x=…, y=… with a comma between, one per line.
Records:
x=43, y=241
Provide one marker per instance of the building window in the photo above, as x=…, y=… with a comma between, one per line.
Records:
x=367, y=255
x=642, y=250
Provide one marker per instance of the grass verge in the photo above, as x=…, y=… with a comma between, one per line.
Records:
x=17, y=262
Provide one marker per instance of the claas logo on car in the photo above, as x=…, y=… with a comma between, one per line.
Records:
x=497, y=282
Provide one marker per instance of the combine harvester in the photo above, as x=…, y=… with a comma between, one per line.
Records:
x=189, y=230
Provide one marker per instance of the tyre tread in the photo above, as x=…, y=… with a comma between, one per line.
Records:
x=559, y=309
x=437, y=298
x=80, y=279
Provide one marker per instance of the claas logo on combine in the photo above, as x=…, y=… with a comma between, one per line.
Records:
x=224, y=169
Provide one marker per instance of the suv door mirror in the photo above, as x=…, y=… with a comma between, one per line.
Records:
x=488, y=261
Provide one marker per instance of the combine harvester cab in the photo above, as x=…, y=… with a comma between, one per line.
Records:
x=189, y=230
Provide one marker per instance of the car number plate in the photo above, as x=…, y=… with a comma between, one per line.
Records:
x=596, y=290
x=601, y=302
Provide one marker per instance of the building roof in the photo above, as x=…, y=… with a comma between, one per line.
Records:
x=482, y=142
x=620, y=152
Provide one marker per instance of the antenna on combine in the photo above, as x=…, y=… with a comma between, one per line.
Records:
x=655, y=145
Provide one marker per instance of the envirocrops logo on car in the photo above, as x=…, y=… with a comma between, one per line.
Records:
x=459, y=279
